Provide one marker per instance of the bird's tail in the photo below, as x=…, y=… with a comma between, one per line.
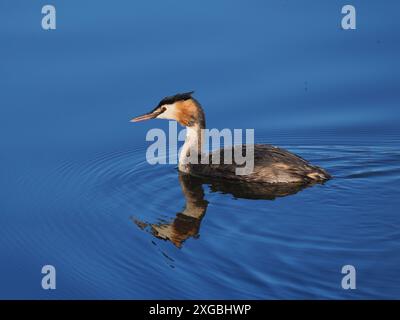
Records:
x=319, y=175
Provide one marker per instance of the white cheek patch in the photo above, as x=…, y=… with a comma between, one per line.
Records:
x=170, y=113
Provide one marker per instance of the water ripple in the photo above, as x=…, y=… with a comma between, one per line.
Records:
x=103, y=205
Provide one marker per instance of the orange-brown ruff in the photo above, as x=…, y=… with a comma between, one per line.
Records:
x=271, y=164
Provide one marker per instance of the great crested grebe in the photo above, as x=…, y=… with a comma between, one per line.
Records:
x=271, y=164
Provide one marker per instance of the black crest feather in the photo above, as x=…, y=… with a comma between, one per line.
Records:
x=175, y=98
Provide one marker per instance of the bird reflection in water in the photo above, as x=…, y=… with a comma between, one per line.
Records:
x=187, y=223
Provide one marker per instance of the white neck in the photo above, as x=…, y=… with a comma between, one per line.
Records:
x=191, y=148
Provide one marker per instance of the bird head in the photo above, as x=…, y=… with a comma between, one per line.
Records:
x=181, y=107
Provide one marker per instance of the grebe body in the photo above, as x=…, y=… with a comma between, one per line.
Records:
x=271, y=164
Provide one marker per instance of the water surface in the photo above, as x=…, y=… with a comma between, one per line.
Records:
x=77, y=192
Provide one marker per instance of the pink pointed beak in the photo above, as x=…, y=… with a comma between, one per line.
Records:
x=146, y=116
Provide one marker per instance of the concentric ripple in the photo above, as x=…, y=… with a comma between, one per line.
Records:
x=116, y=221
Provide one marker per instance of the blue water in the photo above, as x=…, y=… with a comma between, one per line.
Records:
x=76, y=191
